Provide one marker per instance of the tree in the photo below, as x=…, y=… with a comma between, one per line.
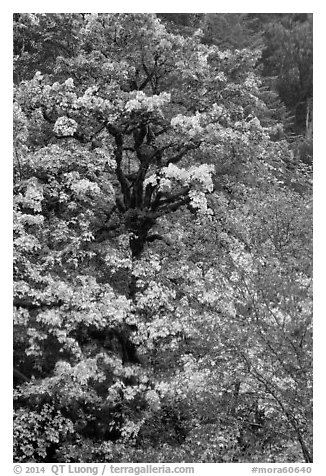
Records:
x=286, y=63
x=135, y=163
x=40, y=38
x=231, y=31
x=288, y=57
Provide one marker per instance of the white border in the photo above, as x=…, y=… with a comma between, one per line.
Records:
x=319, y=466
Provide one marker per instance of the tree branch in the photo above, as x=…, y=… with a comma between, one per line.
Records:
x=169, y=199
x=124, y=183
x=33, y=306
x=180, y=155
x=174, y=206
